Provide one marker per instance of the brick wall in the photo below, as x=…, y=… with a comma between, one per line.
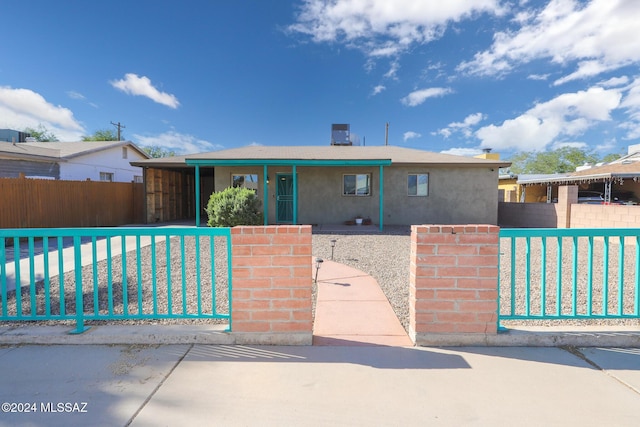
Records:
x=272, y=283
x=453, y=282
x=526, y=215
x=605, y=216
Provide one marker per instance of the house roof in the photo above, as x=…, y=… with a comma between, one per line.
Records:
x=608, y=172
x=23, y=151
x=67, y=150
x=312, y=155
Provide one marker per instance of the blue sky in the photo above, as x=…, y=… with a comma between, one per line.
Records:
x=449, y=76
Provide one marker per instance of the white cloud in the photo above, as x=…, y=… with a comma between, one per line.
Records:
x=132, y=84
x=382, y=27
x=20, y=108
x=411, y=135
x=615, y=82
x=574, y=144
x=179, y=142
x=467, y=152
x=538, y=77
x=419, y=96
x=569, y=114
x=378, y=89
x=75, y=95
x=600, y=35
x=631, y=104
x=464, y=127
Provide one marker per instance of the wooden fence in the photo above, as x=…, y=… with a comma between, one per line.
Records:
x=36, y=203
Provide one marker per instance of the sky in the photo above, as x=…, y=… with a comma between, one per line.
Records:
x=454, y=76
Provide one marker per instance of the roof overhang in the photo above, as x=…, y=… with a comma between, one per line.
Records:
x=581, y=179
x=287, y=162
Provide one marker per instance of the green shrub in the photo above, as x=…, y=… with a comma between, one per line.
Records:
x=234, y=206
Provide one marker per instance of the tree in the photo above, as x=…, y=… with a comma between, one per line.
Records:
x=41, y=134
x=562, y=160
x=101, y=135
x=157, y=152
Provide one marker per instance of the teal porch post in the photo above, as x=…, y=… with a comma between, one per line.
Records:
x=381, y=196
x=295, y=194
x=197, y=196
x=265, y=184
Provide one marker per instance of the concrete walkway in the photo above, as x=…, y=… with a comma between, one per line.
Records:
x=351, y=309
x=204, y=385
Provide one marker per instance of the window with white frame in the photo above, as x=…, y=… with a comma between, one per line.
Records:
x=356, y=184
x=418, y=184
x=138, y=179
x=125, y=154
x=106, y=176
x=249, y=181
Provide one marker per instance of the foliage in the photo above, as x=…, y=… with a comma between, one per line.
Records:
x=41, y=134
x=101, y=135
x=157, y=152
x=234, y=206
x=562, y=160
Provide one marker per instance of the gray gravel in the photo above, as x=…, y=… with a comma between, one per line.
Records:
x=385, y=256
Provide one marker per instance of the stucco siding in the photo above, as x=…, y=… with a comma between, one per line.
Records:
x=90, y=165
x=456, y=195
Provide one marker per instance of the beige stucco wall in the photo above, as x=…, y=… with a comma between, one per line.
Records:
x=456, y=195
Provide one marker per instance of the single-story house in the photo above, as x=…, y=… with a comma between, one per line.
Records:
x=72, y=161
x=329, y=184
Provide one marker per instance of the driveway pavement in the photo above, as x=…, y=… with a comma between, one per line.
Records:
x=177, y=385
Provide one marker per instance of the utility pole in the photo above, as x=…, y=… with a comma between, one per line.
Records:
x=386, y=134
x=119, y=126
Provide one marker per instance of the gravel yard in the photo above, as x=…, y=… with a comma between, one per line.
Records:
x=385, y=256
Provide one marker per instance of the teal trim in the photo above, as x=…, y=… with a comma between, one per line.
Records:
x=295, y=194
x=265, y=194
x=96, y=249
x=381, y=213
x=197, y=196
x=286, y=162
x=581, y=300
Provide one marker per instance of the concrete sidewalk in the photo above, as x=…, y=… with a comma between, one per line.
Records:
x=175, y=385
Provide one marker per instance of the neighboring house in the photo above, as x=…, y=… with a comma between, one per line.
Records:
x=617, y=181
x=330, y=184
x=72, y=161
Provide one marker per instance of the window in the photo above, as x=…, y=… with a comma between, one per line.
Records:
x=356, y=185
x=249, y=181
x=418, y=184
x=106, y=176
x=138, y=179
x=124, y=153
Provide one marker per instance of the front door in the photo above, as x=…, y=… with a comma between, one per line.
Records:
x=284, y=198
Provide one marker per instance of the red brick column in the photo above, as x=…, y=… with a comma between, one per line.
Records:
x=453, y=285
x=272, y=283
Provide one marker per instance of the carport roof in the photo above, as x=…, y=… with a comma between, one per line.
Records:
x=320, y=155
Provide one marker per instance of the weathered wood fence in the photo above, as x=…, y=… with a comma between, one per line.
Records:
x=37, y=203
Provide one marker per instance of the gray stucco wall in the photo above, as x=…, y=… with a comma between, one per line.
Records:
x=456, y=195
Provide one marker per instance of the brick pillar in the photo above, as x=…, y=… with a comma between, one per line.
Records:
x=272, y=283
x=453, y=284
x=567, y=195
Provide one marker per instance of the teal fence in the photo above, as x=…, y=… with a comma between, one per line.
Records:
x=569, y=274
x=110, y=274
